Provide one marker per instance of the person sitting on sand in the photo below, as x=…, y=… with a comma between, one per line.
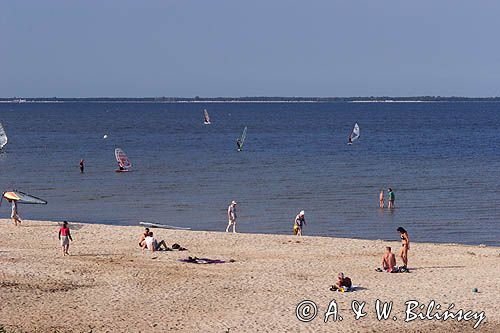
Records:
x=65, y=237
x=14, y=214
x=143, y=237
x=300, y=222
x=389, y=261
x=153, y=245
x=405, y=247
x=343, y=283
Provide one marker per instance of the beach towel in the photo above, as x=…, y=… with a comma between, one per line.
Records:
x=195, y=260
x=345, y=289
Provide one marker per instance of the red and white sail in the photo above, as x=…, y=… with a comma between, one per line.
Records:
x=122, y=159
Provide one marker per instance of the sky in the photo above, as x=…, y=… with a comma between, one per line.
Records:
x=204, y=48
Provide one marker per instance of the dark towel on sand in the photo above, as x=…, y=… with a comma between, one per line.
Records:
x=195, y=260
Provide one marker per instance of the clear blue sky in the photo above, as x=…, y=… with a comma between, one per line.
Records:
x=249, y=48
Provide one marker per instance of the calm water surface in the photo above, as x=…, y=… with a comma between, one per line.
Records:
x=442, y=160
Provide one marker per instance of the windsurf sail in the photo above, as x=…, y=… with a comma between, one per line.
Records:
x=23, y=198
x=206, y=117
x=355, y=133
x=3, y=137
x=242, y=138
x=122, y=159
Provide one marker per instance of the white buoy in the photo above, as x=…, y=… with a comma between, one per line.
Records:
x=105, y=136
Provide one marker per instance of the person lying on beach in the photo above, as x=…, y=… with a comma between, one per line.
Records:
x=153, y=245
x=143, y=237
x=343, y=283
x=65, y=237
x=389, y=261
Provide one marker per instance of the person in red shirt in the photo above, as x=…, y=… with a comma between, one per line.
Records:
x=65, y=237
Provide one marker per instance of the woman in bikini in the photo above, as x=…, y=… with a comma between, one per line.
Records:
x=405, y=246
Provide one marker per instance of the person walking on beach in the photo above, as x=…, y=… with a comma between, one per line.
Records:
x=392, y=197
x=82, y=165
x=231, y=216
x=300, y=222
x=65, y=237
x=381, y=199
x=14, y=214
x=405, y=247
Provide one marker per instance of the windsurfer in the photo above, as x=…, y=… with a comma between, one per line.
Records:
x=82, y=165
x=238, y=144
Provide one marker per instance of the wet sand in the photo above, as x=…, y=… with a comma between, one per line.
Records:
x=108, y=284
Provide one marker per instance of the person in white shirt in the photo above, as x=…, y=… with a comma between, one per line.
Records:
x=231, y=216
x=151, y=244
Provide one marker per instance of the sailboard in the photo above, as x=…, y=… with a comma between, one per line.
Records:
x=3, y=137
x=354, y=134
x=23, y=198
x=164, y=226
x=123, y=161
x=242, y=139
x=206, y=117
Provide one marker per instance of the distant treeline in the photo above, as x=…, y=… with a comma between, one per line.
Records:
x=253, y=99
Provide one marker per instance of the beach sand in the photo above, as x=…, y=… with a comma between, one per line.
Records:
x=109, y=285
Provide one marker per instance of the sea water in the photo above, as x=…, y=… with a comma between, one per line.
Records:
x=441, y=159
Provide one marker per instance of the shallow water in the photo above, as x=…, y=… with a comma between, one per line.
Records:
x=442, y=160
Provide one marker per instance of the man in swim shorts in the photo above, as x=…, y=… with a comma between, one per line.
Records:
x=389, y=261
x=231, y=216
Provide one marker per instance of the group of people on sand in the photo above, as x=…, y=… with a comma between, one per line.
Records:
x=299, y=223
x=392, y=198
x=389, y=259
x=147, y=241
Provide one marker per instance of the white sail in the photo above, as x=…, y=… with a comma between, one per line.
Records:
x=206, y=117
x=3, y=137
x=355, y=133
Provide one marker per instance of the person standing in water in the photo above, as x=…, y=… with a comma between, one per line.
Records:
x=231, y=216
x=392, y=197
x=14, y=215
x=405, y=247
x=82, y=165
x=65, y=237
x=300, y=222
x=381, y=199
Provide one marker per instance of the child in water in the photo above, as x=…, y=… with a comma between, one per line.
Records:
x=381, y=199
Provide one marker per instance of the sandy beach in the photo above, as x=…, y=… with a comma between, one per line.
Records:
x=108, y=284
